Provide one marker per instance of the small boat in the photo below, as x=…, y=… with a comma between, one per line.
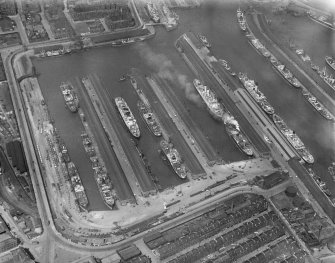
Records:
x=123, y=77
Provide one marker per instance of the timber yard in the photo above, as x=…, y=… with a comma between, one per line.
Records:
x=167, y=131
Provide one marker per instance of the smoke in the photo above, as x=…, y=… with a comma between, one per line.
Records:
x=227, y=118
x=165, y=70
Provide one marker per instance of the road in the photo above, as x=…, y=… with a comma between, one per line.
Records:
x=208, y=78
x=165, y=119
x=190, y=123
x=111, y=162
x=128, y=143
x=42, y=199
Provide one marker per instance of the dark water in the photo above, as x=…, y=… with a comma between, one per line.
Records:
x=218, y=23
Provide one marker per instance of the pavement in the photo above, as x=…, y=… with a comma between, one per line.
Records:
x=121, y=139
x=224, y=93
x=114, y=169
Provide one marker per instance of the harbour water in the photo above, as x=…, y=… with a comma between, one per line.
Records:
x=218, y=23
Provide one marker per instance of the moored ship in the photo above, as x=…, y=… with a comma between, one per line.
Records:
x=70, y=97
x=293, y=139
x=241, y=20
x=77, y=185
x=208, y=96
x=331, y=170
x=127, y=117
x=317, y=105
x=64, y=152
x=105, y=186
x=233, y=130
x=242, y=143
x=257, y=95
x=149, y=118
x=285, y=73
x=319, y=182
x=330, y=61
x=323, y=20
x=174, y=159
x=153, y=12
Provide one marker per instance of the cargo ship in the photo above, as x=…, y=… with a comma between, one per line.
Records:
x=319, y=182
x=241, y=20
x=259, y=46
x=317, y=105
x=208, y=96
x=70, y=97
x=127, y=117
x=225, y=64
x=149, y=118
x=257, y=95
x=153, y=12
x=204, y=41
x=103, y=181
x=285, y=73
x=330, y=61
x=233, y=130
x=105, y=186
x=174, y=159
x=327, y=78
x=77, y=185
x=323, y=20
x=293, y=139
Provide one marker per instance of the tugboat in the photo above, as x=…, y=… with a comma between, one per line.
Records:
x=149, y=118
x=330, y=61
x=123, y=77
x=204, y=41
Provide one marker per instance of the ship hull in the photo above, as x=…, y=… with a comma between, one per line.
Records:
x=297, y=86
x=246, y=151
x=177, y=166
x=143, y=109
x=211, y=102
x=70, y=97
x=325, y=24
x=127, y=117
x=293, y=140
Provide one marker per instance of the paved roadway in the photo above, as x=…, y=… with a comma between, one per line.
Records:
x=164, y=118
x=197, y=133
x=192, y=212
x=42, y=199
x=30, y=148
x=126, y=139
x=115, y=172
x=210, y=80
